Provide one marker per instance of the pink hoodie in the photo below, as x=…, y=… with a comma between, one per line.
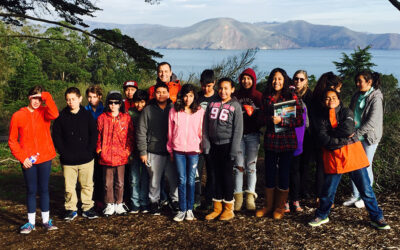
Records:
x=184, y=131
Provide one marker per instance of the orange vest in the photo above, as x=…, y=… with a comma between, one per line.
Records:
x=173, y=89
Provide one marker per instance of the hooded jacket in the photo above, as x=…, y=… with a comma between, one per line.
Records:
x=251, y=101
x=75, y=136
x=30, y=131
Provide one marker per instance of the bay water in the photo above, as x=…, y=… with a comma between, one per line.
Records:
x=314, y=61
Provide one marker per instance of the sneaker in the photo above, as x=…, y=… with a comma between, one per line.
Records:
x=27, y=228
x=121, y=208
x=287, y=208
x=190, y=215
x=109, y=210
x=350, y=201
x=144, y=209
x=154, y=209
x=134, y=210
x=49, y=225
x=90, y=214
x=164, y=203
x=174, y=206
x=316, y=222
x=359, y=203
x=296, y=206
x=70, y=215
x=380, y=224
x=179, y=216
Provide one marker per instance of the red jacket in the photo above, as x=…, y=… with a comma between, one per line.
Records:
x=173, y=89
x=115, y=139
x=30, y=131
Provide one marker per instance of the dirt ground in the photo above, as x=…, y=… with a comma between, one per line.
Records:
x=348, y=227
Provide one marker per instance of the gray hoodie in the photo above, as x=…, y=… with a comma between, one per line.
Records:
x=371, y=118
x=223, y=123
x=152, y=130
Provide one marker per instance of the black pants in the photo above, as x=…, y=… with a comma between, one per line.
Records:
x=295, y=179
x=222, y=167
x=319, y=173
x=305, y=169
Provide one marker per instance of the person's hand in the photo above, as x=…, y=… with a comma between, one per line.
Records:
x=352, y=135
x=171, y=157
x=27, y=164
x=276, y=119
x=143, y=158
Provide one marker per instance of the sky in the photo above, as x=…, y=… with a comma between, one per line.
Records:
x=373, y=16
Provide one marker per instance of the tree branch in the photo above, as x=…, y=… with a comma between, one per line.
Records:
x=395, y=4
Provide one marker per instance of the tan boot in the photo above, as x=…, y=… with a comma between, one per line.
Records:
x=251, y=200
x=227, y=214
x=280, y=200
x=217, y=210
x=268, y=203
x=238, y=201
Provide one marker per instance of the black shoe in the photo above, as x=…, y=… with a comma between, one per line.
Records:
x=174, y=206
x=70, y=215
x=154, y=209
x=90, y=214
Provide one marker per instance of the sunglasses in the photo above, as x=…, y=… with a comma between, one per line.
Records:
x=299, y=79
x=114, y=102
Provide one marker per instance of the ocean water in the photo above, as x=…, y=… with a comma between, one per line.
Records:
x=314, y=61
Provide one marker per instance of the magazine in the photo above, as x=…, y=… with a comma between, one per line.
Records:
x=284, y=109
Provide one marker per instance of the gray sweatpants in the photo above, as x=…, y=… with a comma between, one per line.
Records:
x=160, y=164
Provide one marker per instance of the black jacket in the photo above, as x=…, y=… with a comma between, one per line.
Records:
x=335, y=138
x=75, y=136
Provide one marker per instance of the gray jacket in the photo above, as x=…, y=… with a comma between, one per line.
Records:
x=223, y=123
x=152, y=129
x=371, y=118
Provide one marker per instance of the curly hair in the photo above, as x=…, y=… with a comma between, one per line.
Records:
x=286, y=91
x=180, y=104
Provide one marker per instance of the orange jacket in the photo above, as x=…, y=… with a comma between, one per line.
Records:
x=173, y=89
x=115, y=140
x=30, y=131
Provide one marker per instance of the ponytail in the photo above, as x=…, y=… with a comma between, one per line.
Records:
x=376, y=80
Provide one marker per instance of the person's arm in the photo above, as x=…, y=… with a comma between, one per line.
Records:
x=325, y=137
x=346, y=125
x=206, y=140
x=100, y=127
x=141, y=133
x=13, y=140
x=130, y=140
x=57, y=135
x=51, y=107
x=237, y=130
x=171, y=128
x=93, y=135
x=373, y=119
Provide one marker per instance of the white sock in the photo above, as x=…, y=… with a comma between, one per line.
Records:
x=45, y=217
x=32, y=218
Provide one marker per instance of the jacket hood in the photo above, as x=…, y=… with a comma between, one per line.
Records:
x=250, y=72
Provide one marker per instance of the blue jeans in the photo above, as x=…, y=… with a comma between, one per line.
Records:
x=370, y=152
x=246, y=160
x=361, y=180
x=139, y=180
x=284, y=159
x=37, y=180
x=186, y=166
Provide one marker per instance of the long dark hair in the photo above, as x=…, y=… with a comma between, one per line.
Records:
x=368, y=75
x=327, y=80
x=180, y=104
x=285, y=92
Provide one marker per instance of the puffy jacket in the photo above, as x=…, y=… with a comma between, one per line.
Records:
x=341, y=153
x=173, y=88
x=30, y=131
x=115, y=139
x=185, y=131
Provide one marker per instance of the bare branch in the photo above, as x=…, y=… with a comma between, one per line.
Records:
x=395, y=4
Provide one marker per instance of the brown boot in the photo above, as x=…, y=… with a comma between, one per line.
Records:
x=251, y=200
x=238, y=201
x=268, y=203
x=217, y=210
x=227, y=214
x=280, y=200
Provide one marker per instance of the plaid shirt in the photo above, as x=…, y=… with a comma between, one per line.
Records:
x=286, y=140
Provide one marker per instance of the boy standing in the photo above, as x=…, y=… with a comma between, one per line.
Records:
x=75, y=135
x=130, y=87
x=152, y=135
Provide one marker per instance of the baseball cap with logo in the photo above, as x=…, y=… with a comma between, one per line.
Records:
x=131, y=84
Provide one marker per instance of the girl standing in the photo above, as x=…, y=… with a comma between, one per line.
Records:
x=367, y=105
x=223, y=130
x=114, y=144
x=30, y=142
x=185, y=124
x=279, y=146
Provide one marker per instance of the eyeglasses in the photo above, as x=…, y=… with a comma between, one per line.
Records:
x=114, y=102
x=299, y=79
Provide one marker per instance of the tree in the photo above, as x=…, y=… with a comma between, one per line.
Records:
x=395, y=3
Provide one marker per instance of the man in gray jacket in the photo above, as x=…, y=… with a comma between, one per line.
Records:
x=152, y=136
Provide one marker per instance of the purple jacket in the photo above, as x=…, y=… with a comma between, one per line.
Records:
x=300, y=134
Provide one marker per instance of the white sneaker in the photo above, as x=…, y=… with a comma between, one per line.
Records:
x=190, y=215
x=350, y=201
x=109, y=210
x=359, y=203
x=179, y=216
x=121, y=208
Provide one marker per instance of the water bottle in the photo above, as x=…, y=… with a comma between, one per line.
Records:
x=34, y=158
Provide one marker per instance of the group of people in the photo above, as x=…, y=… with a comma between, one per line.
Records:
x=150, y=149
